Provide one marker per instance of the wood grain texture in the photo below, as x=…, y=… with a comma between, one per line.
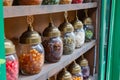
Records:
x=51, y=69
x=17, y=11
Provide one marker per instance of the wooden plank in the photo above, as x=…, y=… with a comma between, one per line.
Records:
x=17, y=11
x=51, y=69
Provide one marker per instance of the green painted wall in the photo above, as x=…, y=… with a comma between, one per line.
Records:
x=2, y=52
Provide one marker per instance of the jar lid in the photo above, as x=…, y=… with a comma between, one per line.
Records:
x=51, y=31
x=84, y=62
x=75, y=68
x=9, y=47
x=30, y=36
x=77, y=24
x=88, y=21
x=65, y=75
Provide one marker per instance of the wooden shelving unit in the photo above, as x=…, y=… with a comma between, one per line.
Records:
x=14, y=16
x=51, y=69
x=17, y=11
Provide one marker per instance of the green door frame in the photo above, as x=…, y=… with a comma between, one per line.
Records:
x=2, y=50
x=113, y=63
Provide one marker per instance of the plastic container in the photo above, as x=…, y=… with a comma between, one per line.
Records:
x=12, y=65
x=53, y=44
x=31, y=56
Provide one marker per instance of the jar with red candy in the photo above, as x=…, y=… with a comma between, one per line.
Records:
x=77, y=1
x=12, y=66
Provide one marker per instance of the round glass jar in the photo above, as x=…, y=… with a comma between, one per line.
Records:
x=12, y=65
x=53, y=44
x=65, y=1
x=50, y=2
x=31, y=56
x=85, y=69
x=64, y=75
x=89, y=29
x=68, y=37
x=30, y=2
x=79, y=33
x=75, y=70
x=77, y=1
x=7, y=2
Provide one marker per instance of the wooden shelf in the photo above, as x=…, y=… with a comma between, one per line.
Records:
x=17, y=11
x=49, y=70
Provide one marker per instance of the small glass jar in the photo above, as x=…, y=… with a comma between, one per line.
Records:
x=12, y=65
x=79, y=33
x=50, y=2
x=64, y=75
x=77, y=1
x=7, y=2
x=68, y=37
x=53, y=44
x=75, y=70
x=65, y=1
x=30, y=2
x=85, y=69
x=89, y=29
x=31, y=56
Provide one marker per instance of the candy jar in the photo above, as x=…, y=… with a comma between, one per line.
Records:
x=64, y=75
x=68, y=36
x=50, y=2
x=79, y=32
x=30, y=2
x=7, y=2
x=75, y=70
x=77, y=1
x=31, y=55
x=12, y=65
x=65, y=1
x=88, y=27
x=53, y=43
x=85, y=68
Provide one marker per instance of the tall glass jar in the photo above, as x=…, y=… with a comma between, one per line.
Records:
x=68, y=37
x=75, y=70
x=85, y=69
x=53, y=44
x=79, y=32
x=50, y=2
x=12, y=65
x=64, y=75
x=31, y=56
x=65, y=1
x=89, y=29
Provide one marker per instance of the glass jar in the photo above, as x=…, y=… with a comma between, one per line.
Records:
x=30, y=2
x=68, y=37
x=79, y=33
x=7, y=2
x=65, y=1
x=75, y=70
x=64, y=75
x=12, y=65
x=85, y=69
x=31, y=56
x=89, y=29
x=77, y=1
x=50, y=2
x=53, y=44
